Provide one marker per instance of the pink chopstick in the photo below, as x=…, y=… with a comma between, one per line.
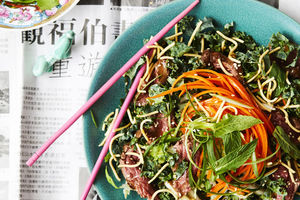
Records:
x=112, y=133
x=121, y=115
x=109, y=83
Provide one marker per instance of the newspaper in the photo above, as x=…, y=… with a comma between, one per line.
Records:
x=47, y=101
x=33, y=108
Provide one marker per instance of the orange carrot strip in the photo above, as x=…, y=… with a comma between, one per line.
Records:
x=209, y=173
x=222, y=191
x=200, y=164
x=218, y=187
x=240, y=89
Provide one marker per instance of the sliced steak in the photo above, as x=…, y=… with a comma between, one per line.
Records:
x=294, y=72
x=132, y=175
x=182, y=185
x=291, y=187
x=284, y=63
x=205, y=57
x=179, y=147
x=160, y=125
x=161, y=71
x=141, y=99
x=278, y=119
x=211, y=58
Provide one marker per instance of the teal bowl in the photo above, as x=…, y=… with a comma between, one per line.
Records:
x=255, y=18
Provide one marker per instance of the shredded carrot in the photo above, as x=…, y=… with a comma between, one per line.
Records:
x=200, y=164
x=220, y=187
x=255, y=90
x=284, y=102
x=209, y=173
x=222, y=191
x=210, y=82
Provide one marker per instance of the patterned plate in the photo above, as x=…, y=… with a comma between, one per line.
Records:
x=27, y=16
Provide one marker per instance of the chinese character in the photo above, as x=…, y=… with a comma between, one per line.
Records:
x=33, y=36
x=89, y=65
x=95, y=30
x=116, y=27
x=60, y=69
x=60, y=27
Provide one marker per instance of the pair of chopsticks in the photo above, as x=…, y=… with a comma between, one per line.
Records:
x=101, y=91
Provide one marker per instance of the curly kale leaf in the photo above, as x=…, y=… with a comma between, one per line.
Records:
x=249, y=42
x=186, y=25
x=132, y=71
x=155, y=90
x=178, y=49
x=207, y=24
x=279, y=40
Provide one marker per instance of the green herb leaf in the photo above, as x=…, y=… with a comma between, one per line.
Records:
x=132, y=71
x=235, y=159
x=107, y=157
x=279, y=40
x=201, y=124
x=231, y=123
x=155, y=90
x=191, y=178
x=185, y=25
x=210, y=152
x=249, y=42
x=158, y=153
x=93, y=118
x=207, y=24
x=285, y=143
x=228, y=29
x=47, y=4
x=232, y=141
x=109, y=179
x=179, y=49
x=280, y=77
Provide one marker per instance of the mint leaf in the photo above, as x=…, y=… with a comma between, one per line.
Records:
x=47, y=4
x=210, y=152
x=228, y=124
x=235, y=158
x=231, y=123
x=232, y=141
x=285, y=143
x=109, y=179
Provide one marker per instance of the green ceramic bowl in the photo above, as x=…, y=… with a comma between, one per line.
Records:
x=255, y=18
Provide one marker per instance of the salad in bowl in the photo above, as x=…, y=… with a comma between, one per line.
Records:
x=215, y=116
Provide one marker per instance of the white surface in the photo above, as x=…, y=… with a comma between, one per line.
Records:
x=291, y=8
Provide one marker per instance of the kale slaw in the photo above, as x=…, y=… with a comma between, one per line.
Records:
x=157, y=158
